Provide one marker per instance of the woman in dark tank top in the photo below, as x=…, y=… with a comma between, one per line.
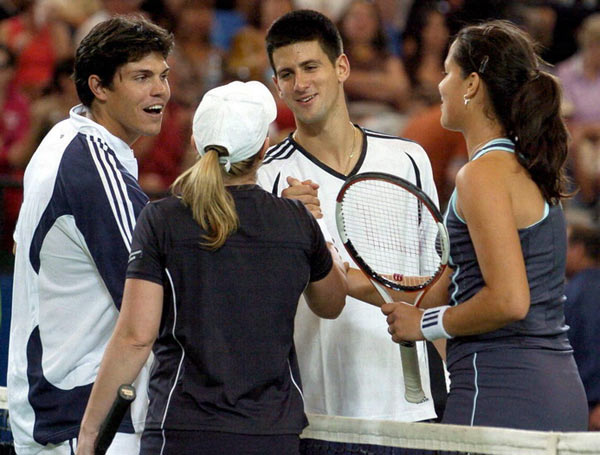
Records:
x=500, y=303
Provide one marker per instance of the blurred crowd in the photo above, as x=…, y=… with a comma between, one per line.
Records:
x=396, y=50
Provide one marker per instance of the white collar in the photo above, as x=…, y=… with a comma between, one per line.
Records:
x=121, y=149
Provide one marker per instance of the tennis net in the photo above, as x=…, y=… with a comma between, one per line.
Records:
x=431, y=437
x=451, y=439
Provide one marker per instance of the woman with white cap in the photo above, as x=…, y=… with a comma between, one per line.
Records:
x=214, y=277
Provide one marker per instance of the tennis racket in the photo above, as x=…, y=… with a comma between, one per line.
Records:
x=110, y=425
x=396, y=235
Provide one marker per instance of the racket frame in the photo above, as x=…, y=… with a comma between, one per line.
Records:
x=426, y=202
x=410, y=364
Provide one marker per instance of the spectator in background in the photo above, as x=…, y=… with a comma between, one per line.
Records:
x=425, y=43
x=23, y=125
x=377, y=88
x=580, y=79
x=538, y=18
x=162, y=12
x=330, y=8
x=569, y=16
x=582, y=310
x=52, y=107
x=103, y=11
x=7, y=9
x=72, y=12
x=463, y=12
x=230, y=17
x=247, y=59
x=38, y=39
x=394, y=14
x=196, y=64
x=14, y=125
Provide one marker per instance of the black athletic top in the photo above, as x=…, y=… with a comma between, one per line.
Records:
x=224, y=356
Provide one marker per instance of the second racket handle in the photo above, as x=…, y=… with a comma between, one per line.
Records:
x=412, y=374
x=125, y=395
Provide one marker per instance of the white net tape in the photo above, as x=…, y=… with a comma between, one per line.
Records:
x=432, y=436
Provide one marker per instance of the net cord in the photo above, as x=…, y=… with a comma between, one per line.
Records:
x=434, y=436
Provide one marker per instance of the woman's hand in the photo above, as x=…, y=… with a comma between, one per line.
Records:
x=404, y=321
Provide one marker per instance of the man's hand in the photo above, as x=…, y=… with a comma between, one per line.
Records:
x=306, y=192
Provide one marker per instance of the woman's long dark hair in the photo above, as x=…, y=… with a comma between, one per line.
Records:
x=525, y=99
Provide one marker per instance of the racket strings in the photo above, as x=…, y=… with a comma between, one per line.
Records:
x=392, y=231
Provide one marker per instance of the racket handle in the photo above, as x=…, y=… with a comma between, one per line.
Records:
x=413, y=390
x=125, y=395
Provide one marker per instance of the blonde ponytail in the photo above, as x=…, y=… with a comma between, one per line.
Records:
x=202, y=188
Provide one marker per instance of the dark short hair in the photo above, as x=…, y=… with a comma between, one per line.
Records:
x=112, y=44
x=304, y=25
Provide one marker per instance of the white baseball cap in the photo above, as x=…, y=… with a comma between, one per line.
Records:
x=235, y=116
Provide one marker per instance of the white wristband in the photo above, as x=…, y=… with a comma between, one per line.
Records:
x=432, y=323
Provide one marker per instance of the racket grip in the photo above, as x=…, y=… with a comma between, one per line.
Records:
x=110, y=425
x=413, y=390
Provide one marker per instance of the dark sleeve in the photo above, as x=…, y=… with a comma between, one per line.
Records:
x=321, y=262
x=146, y=260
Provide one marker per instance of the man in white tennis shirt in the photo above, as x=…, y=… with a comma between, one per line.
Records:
x=349, y=366
x=73, y=236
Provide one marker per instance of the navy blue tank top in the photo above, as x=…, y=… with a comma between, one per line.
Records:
x=544, y=251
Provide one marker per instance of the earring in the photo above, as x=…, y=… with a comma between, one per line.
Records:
x=466, y=100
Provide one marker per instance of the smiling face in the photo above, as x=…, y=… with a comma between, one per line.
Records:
x=452, y=89
x=134, y=103
x=308, y=82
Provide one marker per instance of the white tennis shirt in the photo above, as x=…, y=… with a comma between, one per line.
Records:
x=73, y=237
x=350, y=366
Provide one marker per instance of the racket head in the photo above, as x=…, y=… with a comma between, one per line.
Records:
x=392, y=230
